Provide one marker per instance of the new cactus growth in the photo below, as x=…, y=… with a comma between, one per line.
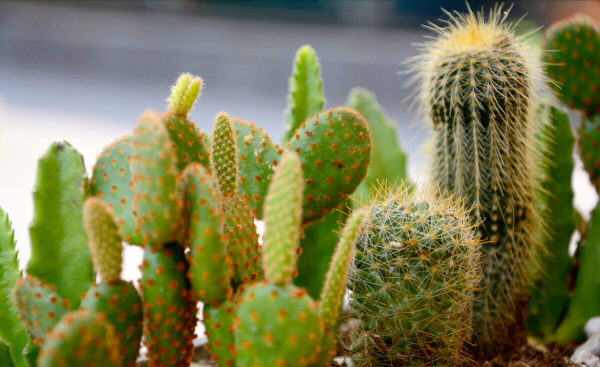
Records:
x=188, y=142
x=155, y=181
x=82, y=338
x=479, y=85
x=116, y=299
x=279, y=324
x=413, y=279
x=209, y=264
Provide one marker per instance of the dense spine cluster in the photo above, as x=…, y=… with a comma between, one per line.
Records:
x=479, y=85
x=413, y=279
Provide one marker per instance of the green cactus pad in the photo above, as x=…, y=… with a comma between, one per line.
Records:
x=223, y=158
x=112, y=182
x=122, y=306
x=219, y=323
x=39, y=306
x=155, y=182
x=243, y=247
x=335, y=151
x=257, y=157
x=283, y=219
x=388, y=160
x=589, y=148
x=305, y=96
x=169, y=313
x=413, y=279
x=59, y=253
x=12, y=332
x=184, y=94
x=573, y=46
x=82, y=338
x=209, y=271
x=104, y=239
x=277, y=326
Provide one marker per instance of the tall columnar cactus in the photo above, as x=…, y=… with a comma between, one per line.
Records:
x=478, y=84
x=239, y=226
x=116, y=299
x=82, y=338
x=59, y=253
x=155, y=181
x=413, y=279
x=188, y=142
x=279, y=324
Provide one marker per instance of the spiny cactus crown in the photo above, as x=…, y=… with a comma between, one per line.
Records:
x=413, y=277
x=184, y=94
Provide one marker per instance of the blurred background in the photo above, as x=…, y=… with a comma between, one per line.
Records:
x=83, y=71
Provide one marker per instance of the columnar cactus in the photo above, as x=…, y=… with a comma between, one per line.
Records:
x=478, y=84
x=413, y=279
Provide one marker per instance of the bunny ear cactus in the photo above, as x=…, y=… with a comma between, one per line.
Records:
x=413, y=279
x=82, y=338
x=478, y=84
x=279, y=324
x=188, y=142
x=218, y=318
x=117, y=300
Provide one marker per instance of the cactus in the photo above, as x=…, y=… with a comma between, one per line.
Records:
x=219, y=323
x=279, y=324
x=82, y=338
x=257, y=157
x=13, y=335
x=209, y=271
x=112, y=182
x=188, y=142
x=169, y=313
x=478, y=85
x=549, y=296
x=573, y=45
x=305, y=96
x=59, y=252
x=117, y=300
x=335, y=150
x=155, y=199
x=589, y=140
x=413, y=279
x=239, y=226
x=39, y=306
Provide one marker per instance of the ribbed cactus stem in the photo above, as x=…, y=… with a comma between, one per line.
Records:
x=332, y=294
x=283, y=219
x=479, y=86
x=184, y=94
x=223, y=160
x=104, y=239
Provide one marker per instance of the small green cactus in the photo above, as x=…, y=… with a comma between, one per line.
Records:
x=209, y=271
x=218, y=320
x=188, y=142
x=223, y=160
x=479, y=86
x=156, y=201
x=82, y=338
x=589, y=147
x=413, y=279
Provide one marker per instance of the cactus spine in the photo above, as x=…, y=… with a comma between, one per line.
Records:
x=413, y=279
x=478, y=84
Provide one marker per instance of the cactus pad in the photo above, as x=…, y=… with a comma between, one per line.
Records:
x=169, y=313
x=413, y=279
x=209, y=263
x=278, y=326
x=219, y=322
x=283, y=219
x=39, y=306
x=154, y=174
x=257, y=157
x=121, y=305
x=112, y=182
x=335, y=150
x=104, y=239
x=223, y=158
x=82, y=338
x=589, y=148
x=573, y=46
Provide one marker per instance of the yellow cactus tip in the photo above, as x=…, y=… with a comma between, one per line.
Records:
x=184, y=94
